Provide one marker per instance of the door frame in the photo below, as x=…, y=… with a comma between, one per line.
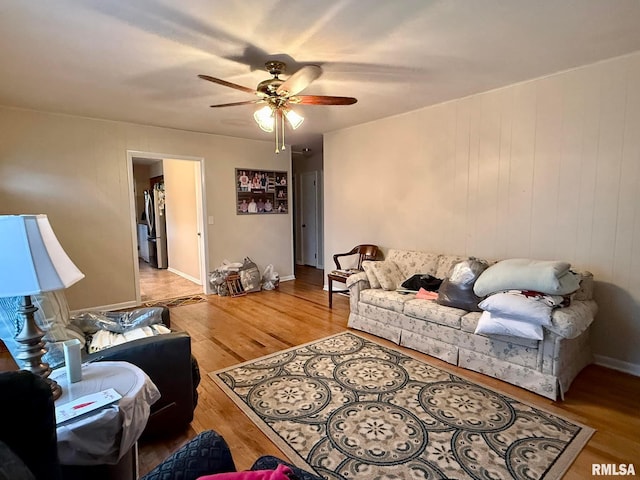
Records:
x=203, y=240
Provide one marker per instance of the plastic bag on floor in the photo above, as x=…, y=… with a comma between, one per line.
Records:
x=218, y=278
x=270, y=278
x=250, y=276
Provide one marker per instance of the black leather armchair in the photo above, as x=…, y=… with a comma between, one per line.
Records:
x=168, y=361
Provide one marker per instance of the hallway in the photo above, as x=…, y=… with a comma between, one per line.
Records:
x=160, y=284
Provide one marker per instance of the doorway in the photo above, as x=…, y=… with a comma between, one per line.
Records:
x=309, y=218
x=186, y=236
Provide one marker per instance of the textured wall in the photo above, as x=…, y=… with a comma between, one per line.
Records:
x=75, y=170
x=548, y=169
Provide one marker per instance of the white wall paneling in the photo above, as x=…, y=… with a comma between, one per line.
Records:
x=547, y=169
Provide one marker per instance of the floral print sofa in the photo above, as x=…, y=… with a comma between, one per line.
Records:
x=546, y=366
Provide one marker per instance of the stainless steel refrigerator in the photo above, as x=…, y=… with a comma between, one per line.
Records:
x=154, y=208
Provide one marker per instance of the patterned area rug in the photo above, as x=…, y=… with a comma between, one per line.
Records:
x=348, y=407
x=176, y=302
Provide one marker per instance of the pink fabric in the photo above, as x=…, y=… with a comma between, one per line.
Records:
x=280, y=473
x=426, y=294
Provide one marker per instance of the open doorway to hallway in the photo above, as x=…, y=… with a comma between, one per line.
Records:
x=181, y=209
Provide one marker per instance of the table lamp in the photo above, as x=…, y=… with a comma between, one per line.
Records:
x=32, y=261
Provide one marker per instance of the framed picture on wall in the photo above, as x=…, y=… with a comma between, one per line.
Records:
x=261, y=192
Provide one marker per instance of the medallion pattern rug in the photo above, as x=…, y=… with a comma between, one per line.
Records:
x=348, y=407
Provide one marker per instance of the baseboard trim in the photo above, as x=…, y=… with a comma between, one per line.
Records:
x=184, y=275
x=615, y=364
x=287, y=278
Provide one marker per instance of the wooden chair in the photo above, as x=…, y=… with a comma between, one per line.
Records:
x=364, y=252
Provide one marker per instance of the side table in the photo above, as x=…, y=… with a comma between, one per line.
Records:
x=106, y=438
x=336, y=277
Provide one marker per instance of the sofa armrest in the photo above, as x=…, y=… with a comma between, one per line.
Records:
x=570, y=322
x=356, y=283
x=167, y=360
x=357, y=278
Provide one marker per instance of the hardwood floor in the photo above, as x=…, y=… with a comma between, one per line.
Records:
x=159, y=284
x=226, y=331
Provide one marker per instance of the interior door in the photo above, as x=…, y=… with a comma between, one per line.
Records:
x=309, y=220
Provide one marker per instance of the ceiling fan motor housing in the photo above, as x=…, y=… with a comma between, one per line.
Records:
x=270, y=85
x=275, y=68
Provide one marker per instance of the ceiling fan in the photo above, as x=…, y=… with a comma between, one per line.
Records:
x=279, y=95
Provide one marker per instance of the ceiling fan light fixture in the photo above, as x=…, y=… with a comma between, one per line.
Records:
x=278, y=95
x=265, y=118
x=294, y=119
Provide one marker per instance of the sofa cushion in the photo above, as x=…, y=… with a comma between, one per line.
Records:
x=469, y=321
x=431, y=345
x=430, y=311
x=388, y=274
x=371, y=275
x=411, y=262
x=393, y=301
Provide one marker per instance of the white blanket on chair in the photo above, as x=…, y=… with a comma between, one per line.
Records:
x=103, y=338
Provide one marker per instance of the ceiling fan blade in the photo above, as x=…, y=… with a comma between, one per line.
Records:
x=322, y=100
x=248, y=102
x=228, y=84
x=299, y=80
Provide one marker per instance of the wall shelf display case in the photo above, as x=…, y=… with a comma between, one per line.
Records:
x=261, y=192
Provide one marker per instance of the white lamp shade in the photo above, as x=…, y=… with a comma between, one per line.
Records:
x=265, y=118
x=31, y=258
x=295, y=120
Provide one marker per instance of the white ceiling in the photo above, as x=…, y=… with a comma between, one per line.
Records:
x=138, y=60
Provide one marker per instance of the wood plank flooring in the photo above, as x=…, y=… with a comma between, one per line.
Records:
x=226, y=331
x=160, y=284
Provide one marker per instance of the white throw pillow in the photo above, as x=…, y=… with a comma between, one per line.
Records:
x=371, y=276
x=388, y=274
x=490, y=324
x=518, y=307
